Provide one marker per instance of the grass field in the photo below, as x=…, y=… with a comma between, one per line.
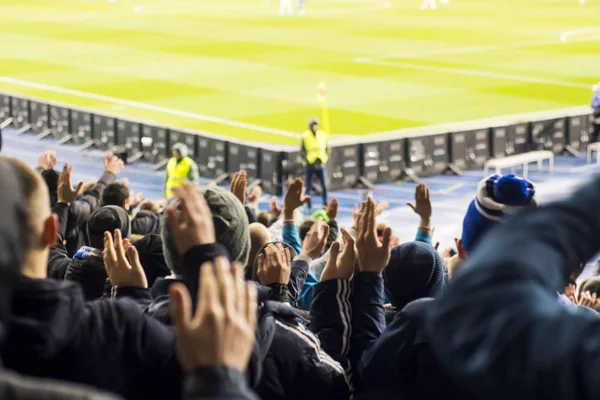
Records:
x=235, y=67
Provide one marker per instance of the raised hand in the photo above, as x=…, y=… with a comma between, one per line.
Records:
x=65, y=192
x=222, y=331
x=122, y=266
x=238, y=186
x=422, y=206
x=136, y=200
x=372, y=254
x=316, y=239
x=275, y=209
x=294, y=198
x=340, y=267
x=112, y=163
x=191, y=224
x=274, y=265
x=47, y=160
x=332, y=209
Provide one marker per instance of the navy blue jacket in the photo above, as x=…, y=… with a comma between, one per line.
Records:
x=217, y=383
x=111, y=345
x=499, y=325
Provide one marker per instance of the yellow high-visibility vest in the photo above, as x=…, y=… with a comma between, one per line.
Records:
x=178, y=173
x=316, y=146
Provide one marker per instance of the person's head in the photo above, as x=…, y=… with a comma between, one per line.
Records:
x=264, y=218
x=415, y=270
x=231, y=227
x=107, y=219
x=41, y=226
x=591, y=285
x=496, y=197
x=180, y=150
x=305, y=227
x=150, y=205
x=152, y=259
x=259, y=236
x=116, y=194
x=570, y=288
x=13, y=233
x=313, y=125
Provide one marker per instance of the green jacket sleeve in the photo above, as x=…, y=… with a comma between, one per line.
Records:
x=194, y=174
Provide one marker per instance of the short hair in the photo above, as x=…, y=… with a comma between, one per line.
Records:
x=115, y=194
x=571, y=282
x=305, y=227
x=37, y=199
x=264, y=218
x=150, y=205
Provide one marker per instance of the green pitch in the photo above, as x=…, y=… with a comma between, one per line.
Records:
x=237, y=68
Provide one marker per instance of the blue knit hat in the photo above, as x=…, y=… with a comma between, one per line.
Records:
x=496, y=196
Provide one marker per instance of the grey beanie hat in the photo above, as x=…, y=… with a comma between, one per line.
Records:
x=231, y=227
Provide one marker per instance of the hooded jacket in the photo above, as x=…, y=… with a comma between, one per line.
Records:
x=81, y=209
x=145, y=222
x=395, y=362
x=499, y=327
x=54, y=333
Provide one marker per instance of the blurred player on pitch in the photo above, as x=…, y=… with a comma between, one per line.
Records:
x=432, y=4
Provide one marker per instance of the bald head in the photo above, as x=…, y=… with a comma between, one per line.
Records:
x=259, y=236
x=37, y=200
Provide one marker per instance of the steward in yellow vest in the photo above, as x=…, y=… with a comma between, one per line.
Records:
x=315, y=157
x=180, y=169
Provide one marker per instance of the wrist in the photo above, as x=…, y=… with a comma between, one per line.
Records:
x=288, y=215
x=425, y=223
x=61, y=201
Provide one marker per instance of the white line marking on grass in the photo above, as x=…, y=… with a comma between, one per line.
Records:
x=452, y=188
x=148, y=107
x=472, y=72
x=566, y=35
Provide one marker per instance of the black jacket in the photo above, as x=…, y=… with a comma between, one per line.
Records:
x=288, y=361
x=145, y=222
x=217, y=383
x=88, y=271
x=80, y=211
x=17, y=387
x=111, y=345
x=499, y=325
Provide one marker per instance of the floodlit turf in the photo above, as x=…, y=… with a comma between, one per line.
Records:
x=235, y=67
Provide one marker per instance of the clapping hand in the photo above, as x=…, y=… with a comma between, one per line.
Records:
x=372, y=254
x=122, y=265
x=192, y=224
x=340, y=267
x=422, y=206
x=238, y=186
x=65, y=192
x=294, y=198
x=316, y=239
x=222, y=330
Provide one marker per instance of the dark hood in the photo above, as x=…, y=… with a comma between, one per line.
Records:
x=251, y=273
x=45, y=316
x=415, y=270
x=153, y=261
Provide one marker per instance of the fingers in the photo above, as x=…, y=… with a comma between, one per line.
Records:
x=108, y=254
x=180, y=304
x=325, y=232
x=134, y=258
x=78, y=189
x=251, y=304
x=262, y=261
x=414, y=208
x=207, y=291
x=119, y=248
x=387, y=234
x=287, y=256
x=334, y=252
x=348, y=240
x=239, y=284
x=225, y=284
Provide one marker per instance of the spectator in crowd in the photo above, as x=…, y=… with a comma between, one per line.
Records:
x=118, y=194
x=569, y=290
x=595, y=129
x=180, y=169
x=86, y=203
x=497, y=196
x=147, y=219
x=53, y=333
x=499, y=328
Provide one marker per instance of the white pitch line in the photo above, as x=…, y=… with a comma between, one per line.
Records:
x=452, y=188
x=148, y=107
x=566, y=35
x=472, y=72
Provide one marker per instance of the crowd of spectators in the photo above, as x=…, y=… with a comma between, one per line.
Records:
x=104, y=295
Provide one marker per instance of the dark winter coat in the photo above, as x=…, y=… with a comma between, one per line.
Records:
x=499, y=325
x=145, y=222
x=111, y=345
